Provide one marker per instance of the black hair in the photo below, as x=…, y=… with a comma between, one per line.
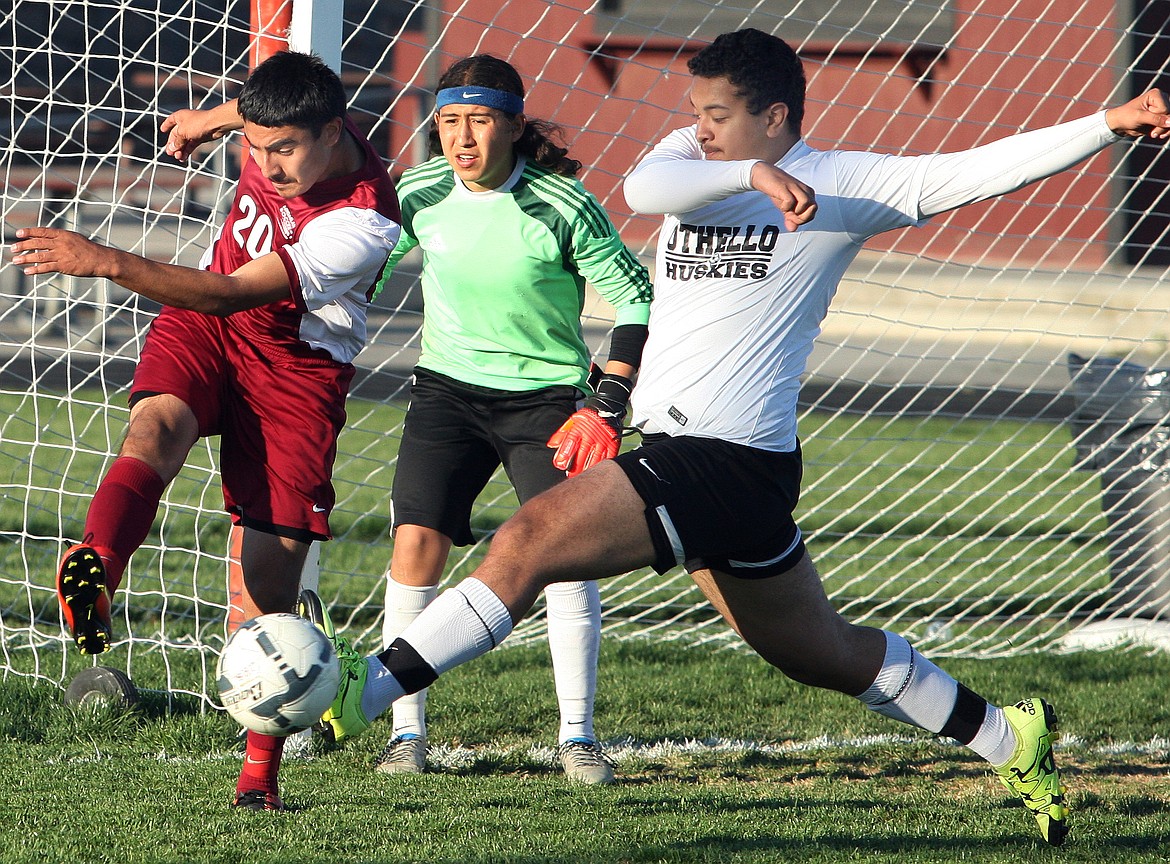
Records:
x=541, y=141
x=762, y=68
x=292, y=89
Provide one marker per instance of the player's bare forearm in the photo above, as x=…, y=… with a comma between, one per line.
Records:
x=1146, y=116
x=188, y=128
x=617, y=367
x=40, y=251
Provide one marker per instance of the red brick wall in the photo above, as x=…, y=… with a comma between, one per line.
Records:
x=998, y=76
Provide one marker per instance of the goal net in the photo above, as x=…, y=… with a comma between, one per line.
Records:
x=984, y=419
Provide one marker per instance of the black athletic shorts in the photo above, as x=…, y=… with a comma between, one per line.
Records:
x=454, y=438
x=715, y=505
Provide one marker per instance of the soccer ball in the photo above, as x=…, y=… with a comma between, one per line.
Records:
x=277, y=674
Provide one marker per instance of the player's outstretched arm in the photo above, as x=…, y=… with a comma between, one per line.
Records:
x=1146, y=116
x=188, y=128
x=52, y=250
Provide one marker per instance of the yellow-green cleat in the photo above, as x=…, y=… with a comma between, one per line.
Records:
x=1031, y=773
x=344, y=718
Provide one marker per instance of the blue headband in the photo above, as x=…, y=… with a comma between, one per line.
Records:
x=501, y=100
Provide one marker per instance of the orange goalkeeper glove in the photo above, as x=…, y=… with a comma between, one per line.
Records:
x=594, y=432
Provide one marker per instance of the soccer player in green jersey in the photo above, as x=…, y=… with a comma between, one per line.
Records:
x=509, y=238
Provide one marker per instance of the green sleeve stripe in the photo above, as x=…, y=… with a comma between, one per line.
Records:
x=423, y=174
x=594, y=215
x=638, y=275
x=586, y=208
x=574, y=197
x=422, y=187
x=542, y=211
x=554, y=189
x=425, y=177
x=417, y=188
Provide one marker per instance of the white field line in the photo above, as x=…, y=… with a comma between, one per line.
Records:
x=629, y=750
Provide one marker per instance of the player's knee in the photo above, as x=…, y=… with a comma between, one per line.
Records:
x=419, y=555
x=822, y=665
x=161, y=438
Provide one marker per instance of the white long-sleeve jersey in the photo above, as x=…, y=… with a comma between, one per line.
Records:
x=739, y=300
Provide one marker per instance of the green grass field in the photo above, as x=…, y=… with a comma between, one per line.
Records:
x=775, y=772
x=720, y=757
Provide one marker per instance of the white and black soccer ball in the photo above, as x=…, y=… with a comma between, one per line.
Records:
x=277, y=674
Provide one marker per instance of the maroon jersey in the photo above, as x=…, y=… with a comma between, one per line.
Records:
x=272, y=381
x=333, y=240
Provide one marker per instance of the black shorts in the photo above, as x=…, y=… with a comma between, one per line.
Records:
x=715, y=505
x=454, y=438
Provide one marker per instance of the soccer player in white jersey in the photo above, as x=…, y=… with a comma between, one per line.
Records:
x=748, y=260
x=254, y=346
x=509, y=237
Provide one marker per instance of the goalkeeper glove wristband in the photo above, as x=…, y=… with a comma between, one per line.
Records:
x=610, y=396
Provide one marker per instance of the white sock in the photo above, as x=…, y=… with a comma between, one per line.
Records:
x=403, y=605
x=461, y=624
x=382, y=689
x=910, y=688
x=574, y=640
x=995, y=741
x=913, y=690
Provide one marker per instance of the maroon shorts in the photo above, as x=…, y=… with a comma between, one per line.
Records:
x=278, y=418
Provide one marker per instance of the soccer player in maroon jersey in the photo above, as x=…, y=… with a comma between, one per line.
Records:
x=256, y=346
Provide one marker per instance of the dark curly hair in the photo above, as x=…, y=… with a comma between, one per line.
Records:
x=762, y=68
x=539, y=141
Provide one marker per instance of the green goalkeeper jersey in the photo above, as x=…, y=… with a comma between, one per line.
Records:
x=504, y=275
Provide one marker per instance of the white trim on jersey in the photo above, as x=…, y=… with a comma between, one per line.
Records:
x=338, y=259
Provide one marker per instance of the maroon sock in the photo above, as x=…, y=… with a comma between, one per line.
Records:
x=261, y=764
x=121, y=513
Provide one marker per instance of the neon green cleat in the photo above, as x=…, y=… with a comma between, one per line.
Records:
x=1031, y=772
x=344, y=719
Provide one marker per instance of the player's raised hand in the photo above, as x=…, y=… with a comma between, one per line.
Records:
x=792, y=198
x=189, y=127
x=1148, y=115
x=53, y=250
x=184, y=133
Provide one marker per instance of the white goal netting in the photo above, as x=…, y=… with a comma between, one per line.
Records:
x=984, y=420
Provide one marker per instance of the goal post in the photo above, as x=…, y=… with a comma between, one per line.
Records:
x=314, y=27
x=956, y=490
